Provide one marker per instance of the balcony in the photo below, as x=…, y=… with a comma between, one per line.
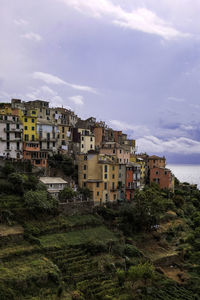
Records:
x=31, y=146
x=12, y=129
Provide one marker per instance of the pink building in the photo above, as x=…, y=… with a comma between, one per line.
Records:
x=112, y=148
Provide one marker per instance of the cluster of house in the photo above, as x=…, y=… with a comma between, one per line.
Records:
x=107, y=161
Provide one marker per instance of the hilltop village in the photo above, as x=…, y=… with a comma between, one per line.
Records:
x=107, y=161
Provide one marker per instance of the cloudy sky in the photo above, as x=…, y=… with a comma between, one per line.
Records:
x=134, y=64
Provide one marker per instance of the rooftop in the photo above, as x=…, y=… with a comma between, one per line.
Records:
x=52, y=180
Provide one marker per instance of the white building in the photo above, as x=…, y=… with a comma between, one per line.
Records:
x=11, y=144
x=54, y=185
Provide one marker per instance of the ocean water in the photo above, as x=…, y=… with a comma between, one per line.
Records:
x=186, y=173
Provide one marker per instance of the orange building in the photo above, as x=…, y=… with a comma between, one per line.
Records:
x=37, y=157
x=163, y=177
x=132, y=179
x=156, y=161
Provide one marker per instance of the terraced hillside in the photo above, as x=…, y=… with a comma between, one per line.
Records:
x=76, y=257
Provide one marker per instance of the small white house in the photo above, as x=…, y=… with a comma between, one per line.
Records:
x=54, y=185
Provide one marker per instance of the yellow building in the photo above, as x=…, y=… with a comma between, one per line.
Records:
x=99, y=173
x=29, y=120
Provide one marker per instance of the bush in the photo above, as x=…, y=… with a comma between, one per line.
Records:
x=141, y=271
x=39, y=200
x=66, y=194
x=132, y=251
x=6, y=187
x=121, y=276
x=8, y=168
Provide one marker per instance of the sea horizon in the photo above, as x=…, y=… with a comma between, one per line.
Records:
x=186, y=172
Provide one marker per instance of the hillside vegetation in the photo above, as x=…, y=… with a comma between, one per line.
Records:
x=148, y=249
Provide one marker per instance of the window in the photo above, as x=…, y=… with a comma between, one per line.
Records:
x=156, y=172
x=7, y=126
x=97, y=193
x=8, y=145
x=114, y=196
x=85, y=167
x=113, y=176
x=84, y=184
x=113, y=151
x=54, y=144
x=33, y=121
x=33, y=128
x=17, y=126
x=33, y=112
x=105, y=168
x=63, y=129
x=85, y=157
x=26, y=137
x=33, y=138
x=82, y=146
x=82, y=138
x=91, y=146
x=120, y=151
x=25, y=127
x=63, y=136
x=105, y=176
x=48, y=136
x=47, y=145
x=97, y=185
x=165, y=172
x=113, y=168
x=113, y=185
x=105, y=185
x=18, y=146
x=84, y=176
x=91, y=139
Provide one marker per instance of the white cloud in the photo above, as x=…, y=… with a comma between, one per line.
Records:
x=141, y=19
x=78, y=100
x=175, y=99
x=46, y=93
x=32, y=36
x=137, y=129
x=51, y=79
x=181, y=145
x=20, y=22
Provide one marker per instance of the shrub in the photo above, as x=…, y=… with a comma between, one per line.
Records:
x=39, y=200
x=141, y=271
x=66, y=194
x=8, y=168
x=121, y=276
x=132, y=251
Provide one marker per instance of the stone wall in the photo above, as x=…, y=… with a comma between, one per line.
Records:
x=79, y=207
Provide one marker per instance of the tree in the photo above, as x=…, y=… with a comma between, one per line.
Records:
x=39, y=200
x=18, y=181
x=141, y=272
x=85, y=192
x=66, y=194
x=145, y=211
x=8, y=168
